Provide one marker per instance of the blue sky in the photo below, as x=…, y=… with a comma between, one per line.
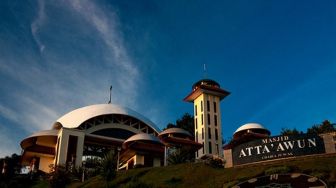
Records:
x=277, y=58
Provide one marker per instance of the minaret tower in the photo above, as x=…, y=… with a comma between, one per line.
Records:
x=206, y=95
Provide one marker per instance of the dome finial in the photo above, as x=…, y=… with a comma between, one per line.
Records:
x=109, y=102
x=205, y=71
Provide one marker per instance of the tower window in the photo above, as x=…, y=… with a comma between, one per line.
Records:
x=217, y=149
x=215, y=106
x=209, y=133
x=195, y=110
x=196, y=136
x=196, y=123
x=215, y=118
x=210, y=149
x=201, y=106
x=208, y=106
x=202, y=133
x=202, y=119
x=209, y=119
x=203, y=147
x=216, y=134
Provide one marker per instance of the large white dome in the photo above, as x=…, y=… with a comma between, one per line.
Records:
x=76, y=117
x=249, y=126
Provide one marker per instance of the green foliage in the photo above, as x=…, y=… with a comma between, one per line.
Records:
x=12, y=165
x=186, y=122
x=324, y=127
x=287, y=132
x=59, y=177
x=277, y=170
x=181, y=155
x=17, y=181
x=108, y=166
x=11, y=178
x=215, y=162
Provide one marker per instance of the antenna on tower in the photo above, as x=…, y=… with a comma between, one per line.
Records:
x=205, y=71
x=110, y=95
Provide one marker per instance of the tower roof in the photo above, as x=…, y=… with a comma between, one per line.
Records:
x=207, y=82
x=206, y=86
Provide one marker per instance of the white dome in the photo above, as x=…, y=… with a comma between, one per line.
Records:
x=143, y=136
x=175, y=130
x=76, y=117
x=250, y=126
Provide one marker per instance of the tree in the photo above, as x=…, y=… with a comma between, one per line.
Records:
x=324, y=127
x=186, y=122
x=109, y=165
x=59, y=177
x=181, y=155
x=12, y=165
x=287, y=132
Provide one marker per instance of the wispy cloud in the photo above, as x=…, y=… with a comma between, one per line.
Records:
x=62, y=82
x=9, y=114
x=37, y=23
x=118, y=57
x=71, y=84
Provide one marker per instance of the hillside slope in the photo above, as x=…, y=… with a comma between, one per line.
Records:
x=202, y=175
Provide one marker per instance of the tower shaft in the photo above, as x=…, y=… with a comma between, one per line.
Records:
x=206, y=97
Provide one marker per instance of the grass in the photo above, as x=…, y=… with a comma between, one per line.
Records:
x=201, y=175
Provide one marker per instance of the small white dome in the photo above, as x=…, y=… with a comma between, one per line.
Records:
x=142, y=136
x=174, y=131
x=250, y=126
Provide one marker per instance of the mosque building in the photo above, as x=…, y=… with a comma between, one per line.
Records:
x=94, y=130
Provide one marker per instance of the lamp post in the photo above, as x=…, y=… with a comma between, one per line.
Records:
x=83, y=167
x=119, y=149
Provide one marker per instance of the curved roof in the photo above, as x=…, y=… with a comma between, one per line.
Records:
x=76, y=117
x=44, y=133
x=250, y=126
x=49, y=133
x=143, y=136
x=175, y=130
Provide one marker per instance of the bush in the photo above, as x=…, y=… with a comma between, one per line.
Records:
x=17, y=181
x=108, y=166
x=215, y=162
x=277, y=170
x=59, y=177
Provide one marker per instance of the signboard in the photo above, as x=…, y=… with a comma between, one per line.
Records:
x=277, y=147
